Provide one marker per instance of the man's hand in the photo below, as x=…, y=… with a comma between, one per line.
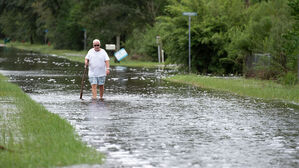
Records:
x=107, y=71
x=86, y=63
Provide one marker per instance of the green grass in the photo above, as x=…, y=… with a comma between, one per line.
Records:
x=41, y=139
x=134, y=63
x=78, y=56
x=268, y=90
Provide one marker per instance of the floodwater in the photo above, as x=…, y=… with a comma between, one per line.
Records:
x=147, y=122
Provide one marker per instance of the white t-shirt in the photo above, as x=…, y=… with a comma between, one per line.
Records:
x=97, y=66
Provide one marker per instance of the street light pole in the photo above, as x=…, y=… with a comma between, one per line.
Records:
x=189, y=14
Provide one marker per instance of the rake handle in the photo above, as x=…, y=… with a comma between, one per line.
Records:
x=82, y=82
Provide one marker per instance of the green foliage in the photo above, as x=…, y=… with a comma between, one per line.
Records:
x=69, y=34
x=294, y=4
x=65, y=20
x=108, y=19
x=265, y=32
x=208, y=29
x=142, y=44
x=292, y=44
x=289, y=78
x=17, y=20
x=224, y=35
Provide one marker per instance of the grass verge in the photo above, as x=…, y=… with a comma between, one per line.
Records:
x=78, y=56
x=41, y=139
x=268, y=90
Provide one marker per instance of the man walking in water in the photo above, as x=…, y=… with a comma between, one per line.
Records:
x=98, y=61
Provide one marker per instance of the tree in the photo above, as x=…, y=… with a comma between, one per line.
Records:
x=247, y=3
x=18, y=20
x=61, y=19
x=114, y=18
x=265, y=32
x=209, y=33
x=294, y=4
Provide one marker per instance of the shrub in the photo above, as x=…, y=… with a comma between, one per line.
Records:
x=289, y=78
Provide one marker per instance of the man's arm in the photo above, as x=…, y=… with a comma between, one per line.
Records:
x=86, y=62
x=107, y=67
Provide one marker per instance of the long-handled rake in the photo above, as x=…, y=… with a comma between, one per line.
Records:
x=82, y=82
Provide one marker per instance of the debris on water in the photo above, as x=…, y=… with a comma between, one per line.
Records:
x=52, y=80
x=134, y=78
x=114, y=79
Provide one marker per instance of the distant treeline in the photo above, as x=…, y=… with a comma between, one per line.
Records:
x=252, y=37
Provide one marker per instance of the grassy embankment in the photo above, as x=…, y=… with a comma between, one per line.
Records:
x=77, y=56
x=30, y=136
x=268, y=90
x=245, y=87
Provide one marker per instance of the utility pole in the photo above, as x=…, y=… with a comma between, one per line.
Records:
x=117, y=46
x=189, y=14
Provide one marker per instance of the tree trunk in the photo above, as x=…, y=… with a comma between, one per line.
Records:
x=31, y=39
x=152, y=10
x=85, y=39
x=283, y=61
x=298, y=67
x=247, y=3
x=244, y=69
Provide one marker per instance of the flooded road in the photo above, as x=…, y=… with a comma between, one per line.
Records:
x=147, y=122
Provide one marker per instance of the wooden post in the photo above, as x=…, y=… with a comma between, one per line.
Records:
x=161, y=51
x=298, y=66
x=159, y=48
x=117, y=47
x=117, y=42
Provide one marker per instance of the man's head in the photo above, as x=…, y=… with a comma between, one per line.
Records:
x=96, y=44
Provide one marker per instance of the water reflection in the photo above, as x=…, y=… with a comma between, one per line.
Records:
x=147, y=122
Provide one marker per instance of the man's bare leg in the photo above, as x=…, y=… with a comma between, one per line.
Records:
x=101, y=92
x=94, y=91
